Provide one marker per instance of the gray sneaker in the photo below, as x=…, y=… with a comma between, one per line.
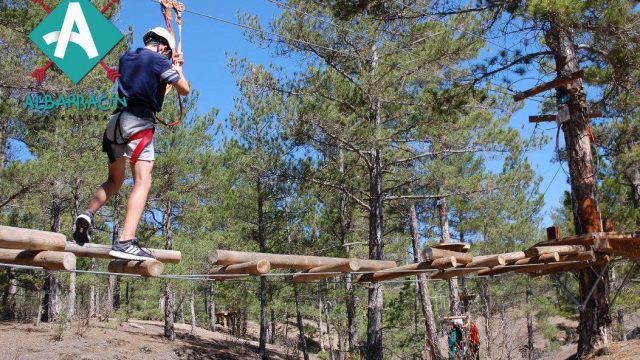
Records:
x=130, y=250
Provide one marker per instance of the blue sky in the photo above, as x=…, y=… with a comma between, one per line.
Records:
x=208, y=44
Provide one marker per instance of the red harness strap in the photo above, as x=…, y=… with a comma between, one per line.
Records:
x=145, y=136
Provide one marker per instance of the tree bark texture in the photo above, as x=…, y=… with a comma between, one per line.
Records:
x=431, y=348
x=51, y=303
x=303, y=340
x=595, y=319
x=530, y=346
x=169, y=307
x=443, y=216
x=486, y=299
x=192, y=307
x=261, y=237
x=212, y=307
x=375, y=296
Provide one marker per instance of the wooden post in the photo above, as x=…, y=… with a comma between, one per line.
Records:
x=409, y=270
x=256, y=267
x=553, y=233
x=102, y=252
x=320, y=272
x=147, y=268
x=50, y=260
x=27, y=239
x=299, y=262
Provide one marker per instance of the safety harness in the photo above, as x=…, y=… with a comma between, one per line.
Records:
x=146, y=136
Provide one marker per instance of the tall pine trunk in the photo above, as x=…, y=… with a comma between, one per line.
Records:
x=212, y=307
x=343, y=231
x=486, y=299
x=431, y=348
x=9, y=296
x=595, y=319
x=375, y=301
x=51, y=302
x=262, y=346
x=443, y=216
x=303, y=339
x=192, y=307
x=530, y=345
x=169, y=312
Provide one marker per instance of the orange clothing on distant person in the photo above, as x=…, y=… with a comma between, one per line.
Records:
x=474, y=335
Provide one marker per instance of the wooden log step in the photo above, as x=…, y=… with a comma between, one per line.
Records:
x=147, y=268
x=409, y=270
x=321, y=272
x=453, y=246
x=484, y=261
x=575, y=266
x=102, y=252
x=299, y=262
x=50, y=260
x=560, y=249
x=513, y=256
x=257, y=268
x=432, y=253
x=27, y=239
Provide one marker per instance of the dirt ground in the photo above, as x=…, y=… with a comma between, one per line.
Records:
x=131, y=340
x=139, y=339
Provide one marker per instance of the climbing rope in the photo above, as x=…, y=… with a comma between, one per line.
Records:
x=166, y=6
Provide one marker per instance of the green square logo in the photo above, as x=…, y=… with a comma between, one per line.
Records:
x=75, y=36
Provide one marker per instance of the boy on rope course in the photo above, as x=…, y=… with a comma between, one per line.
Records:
x=144, y=76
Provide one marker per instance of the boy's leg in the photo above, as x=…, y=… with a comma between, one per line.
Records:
x=141, y=172
x=109, y=187
x=84, y=222
x=127, y=246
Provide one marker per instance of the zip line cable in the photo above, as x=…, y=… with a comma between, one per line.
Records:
x=247, y=27
x=308, y=43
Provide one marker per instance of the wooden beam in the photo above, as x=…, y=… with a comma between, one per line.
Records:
x=451, y=273
x=50, y=260
x=583, y=239
x=552, y=117
x=453, y=246
x=409, y=270
x=27, y=239
x=581, y=256
x=102, y=252
x=513, y=256
x=432, y=253
x=549, y=257
x=486, y=261
x=535, y=262
x=327, y=271
x=576, y=266
x=549, y=85
x=147, y=268
x=256, y=267
x=299, y=262
x=560, y=249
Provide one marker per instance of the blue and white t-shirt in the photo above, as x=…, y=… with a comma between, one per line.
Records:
x=144, y=75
